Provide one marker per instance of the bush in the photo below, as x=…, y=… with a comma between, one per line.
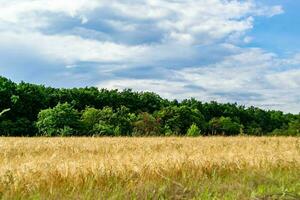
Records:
x=102, y=129
x=106, y=121
x=294, y=127
x=147, y=125
x=193, y=131
x=292, y=130
x=224, y=126
x=90, y=118
x=167, y=131
x=62, y=120
x=179, y=118
x=66, y=131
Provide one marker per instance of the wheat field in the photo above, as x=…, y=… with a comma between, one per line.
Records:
x=150, y=168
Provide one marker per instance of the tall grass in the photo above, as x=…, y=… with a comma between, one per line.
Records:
x=150, y=168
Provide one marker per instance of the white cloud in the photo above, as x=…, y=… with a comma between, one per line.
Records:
x=71, y=49
x=285, y=80
x=187, y=21
x=167, y=88
x=235, y=73
x=195, y=41
x=14, y=10
x=122, y=26
x=249, y=77
x=269, y=11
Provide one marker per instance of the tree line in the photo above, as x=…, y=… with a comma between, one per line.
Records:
x=35, y=110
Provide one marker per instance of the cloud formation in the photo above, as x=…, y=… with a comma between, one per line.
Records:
x=177, y=48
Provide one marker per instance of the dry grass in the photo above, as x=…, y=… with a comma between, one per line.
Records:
x=150, y=168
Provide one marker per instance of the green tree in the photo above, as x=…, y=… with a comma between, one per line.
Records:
x=150, y=102
x=61, y=120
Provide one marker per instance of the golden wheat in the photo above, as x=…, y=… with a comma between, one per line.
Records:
x=88, y=168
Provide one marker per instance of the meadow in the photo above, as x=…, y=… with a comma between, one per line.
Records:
x=150, y=168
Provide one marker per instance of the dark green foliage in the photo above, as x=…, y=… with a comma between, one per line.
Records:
x=7, y=127
x=90, y=111
x=150, y=102
x=19, y=127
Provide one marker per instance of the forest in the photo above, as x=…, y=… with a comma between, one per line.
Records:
x=36, y=110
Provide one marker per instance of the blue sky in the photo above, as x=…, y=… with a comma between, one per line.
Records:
x=223, y=50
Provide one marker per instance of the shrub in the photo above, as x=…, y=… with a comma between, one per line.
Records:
x=179, y=118
x=102, y=129
x=167, y=131
x=147, y=125
x=66, y=131
x=61, y=120
x=224, y=126
x=90, y=118
x=292, y=130
x=106, y=121
x=193, y=131
x=294, y=127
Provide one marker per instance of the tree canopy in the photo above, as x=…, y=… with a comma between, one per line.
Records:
x=39, y=110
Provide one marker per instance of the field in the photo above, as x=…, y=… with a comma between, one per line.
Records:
x=150, y=168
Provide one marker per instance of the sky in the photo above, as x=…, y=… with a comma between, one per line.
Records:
x=245, y=51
